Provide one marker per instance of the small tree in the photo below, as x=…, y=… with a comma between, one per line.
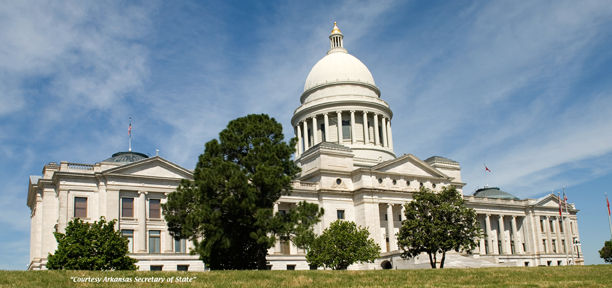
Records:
x=438, y=223
x=606, y=251
x=342, y=244
x=95, y=246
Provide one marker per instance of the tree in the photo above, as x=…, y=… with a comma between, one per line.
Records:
x=95, y=246
x=227, y=210
x=342, y=244
x=606, y=251
x=438, y=223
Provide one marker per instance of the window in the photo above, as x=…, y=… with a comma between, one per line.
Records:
x=552, y=225
x=526, y=263
x=80, y=207
x=554, y=246
x=346, y=129
x=499, y=247
x=291, y=267
x=512, y=247
x=563, y=245
x=180, y=245
x=154, y=208
x=156, y=267
x=561, y=226
x=127, y=207
x=154, y=241
x=559, y=263
x=182, y=267
x=394, y=182
x=548, y=263
x=486, y=246
x=322, y=127
x=386, y=217
x=338, y=181
x=284, y=245
x=312, y=267
x=545, y=246
x=340, y=214
x=542, y=224
x=129, y=235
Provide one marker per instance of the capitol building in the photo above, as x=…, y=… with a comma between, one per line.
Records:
x=349, y=168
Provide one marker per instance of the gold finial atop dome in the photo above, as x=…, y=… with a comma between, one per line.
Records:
x=336, y=30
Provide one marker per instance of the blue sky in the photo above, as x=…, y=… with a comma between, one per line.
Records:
x=521, y=86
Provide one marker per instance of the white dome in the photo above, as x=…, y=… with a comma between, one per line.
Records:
x=338, y=67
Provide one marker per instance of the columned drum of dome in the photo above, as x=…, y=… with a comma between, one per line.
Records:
x=341, y=104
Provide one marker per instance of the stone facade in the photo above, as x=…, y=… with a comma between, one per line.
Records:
x=130, y=192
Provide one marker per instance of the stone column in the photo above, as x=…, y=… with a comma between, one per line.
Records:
x=277, y=243
x=483, y=240
x=384, y=131
x=403, y=211
x=502, y=235
x=558, y=232
x=326, y=122
x=299, y=144
x=353, y=128
x=305, y=123
x=390, y=140
x=315, y=128
x=142, y=223
x=488, y=228
x=376, y=136
x=365, y=128
x=339, y=117
x=390, y=230
x=548, y=237
x=515, y=237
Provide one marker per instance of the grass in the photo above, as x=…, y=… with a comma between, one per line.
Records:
x=565, y=276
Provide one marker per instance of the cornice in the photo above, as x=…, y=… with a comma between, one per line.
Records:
x=336, y=83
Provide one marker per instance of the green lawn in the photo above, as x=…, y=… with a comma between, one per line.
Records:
x=565, y=276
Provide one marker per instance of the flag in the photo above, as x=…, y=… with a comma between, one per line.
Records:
x=608, y=205
x=565, y=200
x=130, y=128
x=487, y=169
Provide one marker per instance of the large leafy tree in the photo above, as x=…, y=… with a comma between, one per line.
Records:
x=227, y=210
x=437, y=223
x=606, y=251
x=342, y=244
x=95, y=246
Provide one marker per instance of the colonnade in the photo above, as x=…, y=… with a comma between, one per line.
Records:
x=495, y=242
x=380, y=134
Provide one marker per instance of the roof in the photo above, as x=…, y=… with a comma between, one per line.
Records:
x=494, y=192
x=440, y=159
x=126, y=157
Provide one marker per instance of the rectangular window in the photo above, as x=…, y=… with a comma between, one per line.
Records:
x=563, y=245
x=154, y=209
x=127, y=207
x=554, y=246
x=545, y=246
x=512, y=247
x=182, y=267
x=559, y=262
x=129, y=235
x=80, y=207
x=180, y=245
x=340, y=214
x=285, y=249
x=526, y=263
x=322, y=127
x=499, y=247
x=486, y=246
x=561, y=226
x=154, y=241
x=552, y=225
x=290, y=267
x=156, y=267
x=346, y=129
x=542, y=224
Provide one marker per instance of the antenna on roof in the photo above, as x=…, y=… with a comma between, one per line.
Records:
x=130, y=136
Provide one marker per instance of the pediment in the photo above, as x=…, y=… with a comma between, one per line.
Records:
x=409, y=165
x=548, y=201
x=152, y=167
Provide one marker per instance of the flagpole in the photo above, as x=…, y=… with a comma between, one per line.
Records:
x=130, y=134
x=568, y=231
x=609, y=220
x=565, y=229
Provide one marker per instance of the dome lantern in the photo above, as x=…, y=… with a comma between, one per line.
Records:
x=335, y=39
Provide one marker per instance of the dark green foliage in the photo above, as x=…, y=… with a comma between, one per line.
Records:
x=342, y=244
x=227, y=209
x=95, y=246
x=438, y=223
x=606, y=251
